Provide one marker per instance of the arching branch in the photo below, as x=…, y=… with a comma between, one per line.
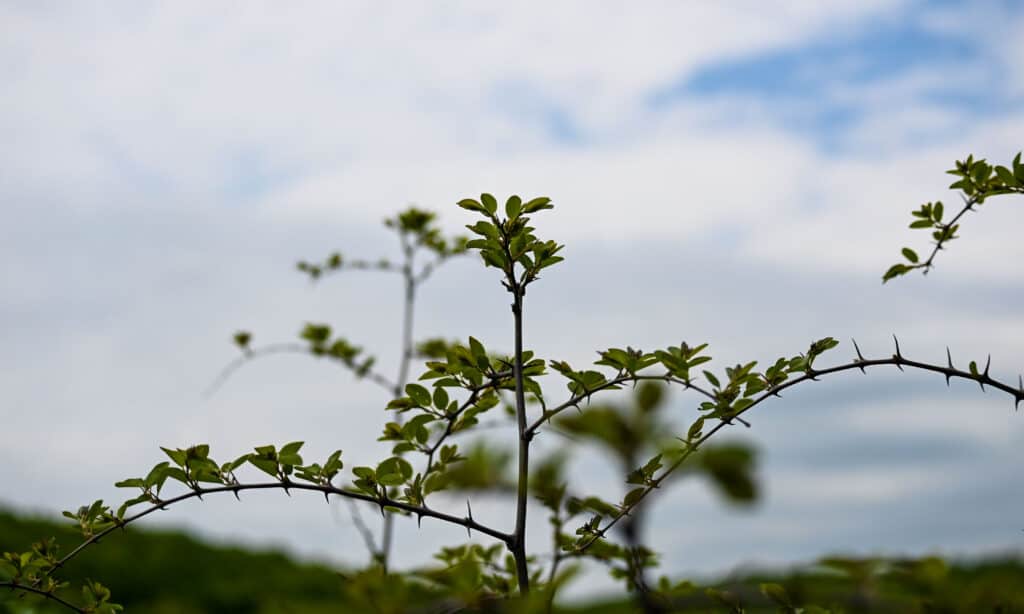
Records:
x=898, y=360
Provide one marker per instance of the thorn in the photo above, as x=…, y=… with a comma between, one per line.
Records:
x=860, y=357
x=326, y=498
x=235, y=492
x=743, y=422
x=984, y=374
x=469, y=510
x=419, y=520
x=897, y=356
x=1019, y=396
x=949, y=359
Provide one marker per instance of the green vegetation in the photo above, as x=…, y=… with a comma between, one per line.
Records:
x=459, y=384
x=169, y=572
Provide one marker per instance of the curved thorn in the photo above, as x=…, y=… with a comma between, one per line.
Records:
x=949, y=359
x=743, y=422
x=897, y=356
x=860, y=357
x=988, y=363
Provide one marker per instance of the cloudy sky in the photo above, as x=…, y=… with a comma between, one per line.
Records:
x=737, y=173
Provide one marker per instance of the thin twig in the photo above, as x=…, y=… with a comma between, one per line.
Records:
x=14, y=586
x=284, y=348
x=381, y=502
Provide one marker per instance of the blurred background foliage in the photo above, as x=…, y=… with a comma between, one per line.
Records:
x=170, y=572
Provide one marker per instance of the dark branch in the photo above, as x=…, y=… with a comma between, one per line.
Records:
x=896, y=360
x=14, y=586
x=381, y=502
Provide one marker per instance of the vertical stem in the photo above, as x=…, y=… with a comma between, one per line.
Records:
x=556, y=559
x=407, y=317
x=408, y=309
x=632, y=529
x=522, y=490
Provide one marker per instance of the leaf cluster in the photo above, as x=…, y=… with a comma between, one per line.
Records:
x=977, y=180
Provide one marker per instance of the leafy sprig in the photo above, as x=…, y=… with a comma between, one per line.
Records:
x=977, y=181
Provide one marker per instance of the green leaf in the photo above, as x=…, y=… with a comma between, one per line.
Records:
x=695, y=429
x=712, y=379
x=291, y=448
x=333, y=464
x=980, y=172
x=922, y=224
x=652, y=465
x=266, y=451
x=366, y=473
x=265, y=465
x=178, y=456
x=176, y=474
x=418, y=394
x=242, y=339
x=316, y=333
x=633, y=497
x=490, y=204
x=479, y=353
x=394, y=471
x=157, y=475
x=292, y=460
x=513, y=206
x=440, y=398
x=537, y=204
x=895, y=271
x=471, y=205
x=910, y=255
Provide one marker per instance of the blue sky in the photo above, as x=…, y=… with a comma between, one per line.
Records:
x=747, y=171
x=798, y=82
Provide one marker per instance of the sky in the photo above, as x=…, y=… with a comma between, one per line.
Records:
x=737, y=173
